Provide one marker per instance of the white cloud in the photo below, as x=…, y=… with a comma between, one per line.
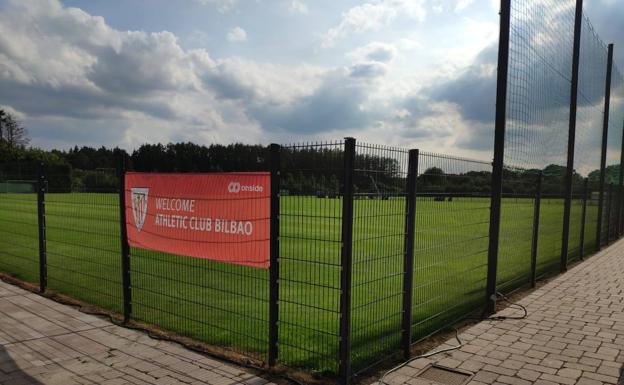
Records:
x=460, y=5
x=298, y=6
x=73, y=76
x=77, y=80
x=374, y=51
x=372, y=16
x=442, y=6
x=406, y=44
x=197, y=38
x=16, y=114
x=437, y=6
x=222, y=5
x=237, y=35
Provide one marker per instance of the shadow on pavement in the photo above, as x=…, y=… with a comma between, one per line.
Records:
x=10, y=373
x=621, y=380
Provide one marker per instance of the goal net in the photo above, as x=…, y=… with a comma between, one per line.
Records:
x=18, y=186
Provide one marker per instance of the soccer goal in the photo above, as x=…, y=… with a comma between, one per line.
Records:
x=18, y=186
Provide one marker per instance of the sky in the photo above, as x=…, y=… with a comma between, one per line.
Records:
x=409, y=73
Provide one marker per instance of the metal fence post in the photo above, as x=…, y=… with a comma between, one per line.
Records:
x=621, y=184
x=609, y=206
x=571, y=135
x=499, y=153
x=346, y=262
x=620, y=195
x=603, y=154
x=125, y=247
x=536, y=220
x=618, y=212
x=584, y=218
x=408, y=259
x=274, y=254
x=41, y=224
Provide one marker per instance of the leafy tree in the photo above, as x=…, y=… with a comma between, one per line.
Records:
x=3, y=118
x=433, y=176
x=12, y=132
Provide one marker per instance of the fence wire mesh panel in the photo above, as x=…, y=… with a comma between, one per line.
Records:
x=606, y=213
x=310, y=255
x=591, y=102
x=551, y=221
x=220, y=303
x=540, y=68
x=451, y=242
x=378, y=253
x=589, y=129
x=83, y=238
x=19, y=239
x=614, y=148
x=591, y=216
x=576, y=218
x=613, y=215
x=517, y=212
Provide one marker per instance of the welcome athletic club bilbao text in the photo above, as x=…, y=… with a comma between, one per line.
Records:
x=183, y=218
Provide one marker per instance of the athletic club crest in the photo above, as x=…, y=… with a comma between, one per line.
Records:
x=139, y=206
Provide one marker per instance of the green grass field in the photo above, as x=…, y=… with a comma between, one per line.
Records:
x=227, y=305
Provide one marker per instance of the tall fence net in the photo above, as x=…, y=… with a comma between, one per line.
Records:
x=538, y=111
x=540, y=75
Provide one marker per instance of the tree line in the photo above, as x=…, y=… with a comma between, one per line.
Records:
x=91, y=169
x=305, y=170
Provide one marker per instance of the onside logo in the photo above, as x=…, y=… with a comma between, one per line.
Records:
x=237, y=187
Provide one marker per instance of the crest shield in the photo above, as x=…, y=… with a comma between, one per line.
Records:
x=139, y=205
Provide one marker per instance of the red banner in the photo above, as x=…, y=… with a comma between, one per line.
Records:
x=221, y=216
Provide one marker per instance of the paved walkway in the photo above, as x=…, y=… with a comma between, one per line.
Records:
x=44, y=342
x=574, y=334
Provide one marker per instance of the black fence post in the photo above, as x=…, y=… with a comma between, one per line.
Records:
x=603, y=154
x=274, y=254
x=584, y=218
x=408, y=259
x=621, y=184
x=609, y=206
x=41, y=224
x=620, y=195
x=618, y=212
x=571, y=135
x=346, y=262
x=536, y=220
x=125, y=247
x=499, y=153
